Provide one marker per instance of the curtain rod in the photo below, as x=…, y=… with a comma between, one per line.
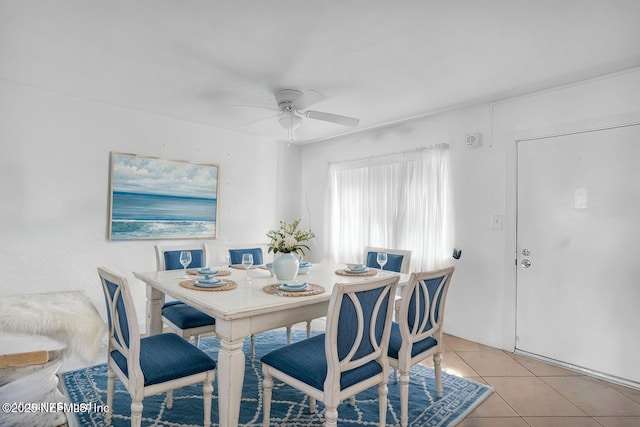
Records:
x=395, y=153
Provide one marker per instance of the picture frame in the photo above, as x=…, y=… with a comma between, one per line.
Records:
x=153, y=198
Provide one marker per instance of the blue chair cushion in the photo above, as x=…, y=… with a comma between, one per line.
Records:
x=395, y=342
x=184, y=316
x=235, y=255
x=306, y=361
x=166, y=357
x=394, y=261
x=170, y=303
x=172, y=259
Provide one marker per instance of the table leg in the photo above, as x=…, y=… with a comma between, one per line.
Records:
x=230, y=380
x=155, y=301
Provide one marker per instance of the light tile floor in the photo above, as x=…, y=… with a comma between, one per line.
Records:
x=531, y=393
x=528, y=392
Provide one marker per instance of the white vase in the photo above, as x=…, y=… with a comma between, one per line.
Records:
x=285, y=266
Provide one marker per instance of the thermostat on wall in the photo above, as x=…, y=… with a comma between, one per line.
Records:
x=473, y=140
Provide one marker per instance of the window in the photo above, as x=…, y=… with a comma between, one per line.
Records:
x=401, y=201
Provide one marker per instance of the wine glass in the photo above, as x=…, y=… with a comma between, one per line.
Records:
x=247, y=262
x=224, y=258
x=382, y=259
x=185, y=260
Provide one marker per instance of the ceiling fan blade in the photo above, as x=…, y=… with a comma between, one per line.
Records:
x=307, y=99
x=334, y=118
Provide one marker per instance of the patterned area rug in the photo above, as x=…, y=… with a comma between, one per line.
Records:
x=289, y=407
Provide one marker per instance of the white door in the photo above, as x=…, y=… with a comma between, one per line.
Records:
x=578, y=244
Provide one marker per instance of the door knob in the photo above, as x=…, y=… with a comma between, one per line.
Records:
x=525, y=263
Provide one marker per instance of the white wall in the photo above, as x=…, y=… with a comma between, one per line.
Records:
x=479, y=193
x=54, y=187
x=481, y=303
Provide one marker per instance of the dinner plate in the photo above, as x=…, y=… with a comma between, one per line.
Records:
x=350, y=266
x=357, y=270
x=294, y=288
x=304, y=268
x=212, y=283
x=207, y=271
x=209, y=285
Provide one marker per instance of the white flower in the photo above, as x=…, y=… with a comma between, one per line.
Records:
x=287, y=238
x=290, y=241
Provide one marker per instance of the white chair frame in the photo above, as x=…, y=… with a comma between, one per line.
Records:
x=160, y=265
x=134, y=379
x=406, y=256
x=331, y=394
x=161, y=249
x=409, y=337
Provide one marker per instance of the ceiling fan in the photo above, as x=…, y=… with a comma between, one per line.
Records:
x=294, y=104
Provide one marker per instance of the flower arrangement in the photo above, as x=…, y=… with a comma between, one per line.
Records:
x=287, y=238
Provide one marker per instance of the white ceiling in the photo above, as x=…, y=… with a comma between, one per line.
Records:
x=219, y=62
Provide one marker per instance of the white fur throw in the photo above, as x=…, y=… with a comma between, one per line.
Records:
x=67, y=317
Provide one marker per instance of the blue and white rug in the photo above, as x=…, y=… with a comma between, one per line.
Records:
x=289, y=406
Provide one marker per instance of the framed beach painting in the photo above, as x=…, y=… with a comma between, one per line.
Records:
x=153, y=198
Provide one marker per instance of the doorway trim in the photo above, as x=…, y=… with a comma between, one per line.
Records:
x=512, y=139
x=570, y=129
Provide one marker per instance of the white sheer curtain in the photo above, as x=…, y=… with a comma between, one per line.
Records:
x=399, y=201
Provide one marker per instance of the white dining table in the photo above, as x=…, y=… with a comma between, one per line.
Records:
x=241, y=312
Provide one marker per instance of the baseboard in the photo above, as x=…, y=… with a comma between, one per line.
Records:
x=590, y=372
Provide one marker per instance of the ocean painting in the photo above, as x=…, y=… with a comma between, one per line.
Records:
x=162, y=199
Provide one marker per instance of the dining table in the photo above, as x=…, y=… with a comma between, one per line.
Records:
x=244, y=308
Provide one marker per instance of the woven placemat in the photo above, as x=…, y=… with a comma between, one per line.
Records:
x=219, y=273
x=191, y=284
x=312, y=289
x=368, y=273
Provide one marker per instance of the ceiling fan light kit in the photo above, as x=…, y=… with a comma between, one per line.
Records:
x=290, y=122
x=294, y=103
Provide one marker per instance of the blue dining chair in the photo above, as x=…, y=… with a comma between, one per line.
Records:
x=150, y=365
x=235, y=255
x=182, y=318
x=397, y=260
x=418, y=332
x=349, y=358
